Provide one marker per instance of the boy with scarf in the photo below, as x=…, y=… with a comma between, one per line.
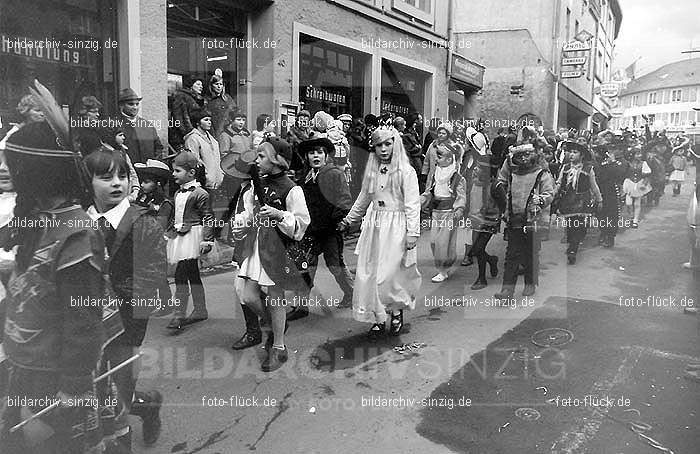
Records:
x=524, y=190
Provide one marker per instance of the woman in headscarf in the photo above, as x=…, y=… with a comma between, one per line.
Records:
x=387, y=278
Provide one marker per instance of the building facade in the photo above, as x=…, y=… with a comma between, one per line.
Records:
x=276, y=57
x=668, y=97
x=80, y=48
x=545, y=60
x=346, y=56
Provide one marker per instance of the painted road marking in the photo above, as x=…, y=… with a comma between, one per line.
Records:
x=573, y=441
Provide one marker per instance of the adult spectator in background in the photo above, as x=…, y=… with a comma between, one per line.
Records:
x=320, y=124
x=200, y=142
x=410, y=144
x=427, y=141
x=359, y=152
x=298, y=133
x=30, y=111
x=264, y=129
x=86, y=123
x=142, y=140
x=235, y=139
x=499, y=150
x=347, y=122
x=187, y=100
x=219, y=104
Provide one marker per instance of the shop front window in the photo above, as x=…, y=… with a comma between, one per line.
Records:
x=403, y=90
x=202, y=40
x=61, y=44
x=331, y=78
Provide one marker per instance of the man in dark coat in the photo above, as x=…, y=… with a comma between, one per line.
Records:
x=142, y=140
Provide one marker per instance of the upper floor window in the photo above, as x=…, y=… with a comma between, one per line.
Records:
x=675, y=118
x=635, y=100
x=420, y=9
x=676, y=95
x=652, y=98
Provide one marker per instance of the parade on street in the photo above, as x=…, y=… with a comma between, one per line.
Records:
x=381, y=226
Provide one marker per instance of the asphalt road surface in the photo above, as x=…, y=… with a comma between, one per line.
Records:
x=567, y=371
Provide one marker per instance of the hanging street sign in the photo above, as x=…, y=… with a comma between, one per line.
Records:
x=609, y=90
x=573, y=46
x=574, y=61
x=571, y=74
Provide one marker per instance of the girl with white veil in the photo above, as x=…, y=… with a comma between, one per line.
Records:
x=387, y=278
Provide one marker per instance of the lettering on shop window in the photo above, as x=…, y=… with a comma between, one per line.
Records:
x=403, y=110
x=44, y=49
x=319, y=94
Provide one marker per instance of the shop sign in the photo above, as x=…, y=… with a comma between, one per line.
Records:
x=467, y=71
x=575, y=46
x=571, y=74
x=319, y=94
x=609, y=89
x=396, y=108
x=49, y=50
x=574, y=61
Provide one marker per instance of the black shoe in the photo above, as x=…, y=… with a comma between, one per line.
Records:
x=119, y=445
x=271, y=337
x=504, y=294
x=396, y=324
x=275, y=359
x=345, y=302
x=493, y=265
x=196, y=316
x=479, y=284
x=249, y=339
x=374, y=334
x=529, y=290
x=609, y=242
x=297, y=312
x=147, y=406
x=176, y=323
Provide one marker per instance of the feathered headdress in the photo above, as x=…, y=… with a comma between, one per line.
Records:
x=53, y=112
x=38, y=143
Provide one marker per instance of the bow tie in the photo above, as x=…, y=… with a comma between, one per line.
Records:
x=190, y=189
x=383, y=170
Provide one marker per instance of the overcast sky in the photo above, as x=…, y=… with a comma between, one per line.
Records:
x=657, y=31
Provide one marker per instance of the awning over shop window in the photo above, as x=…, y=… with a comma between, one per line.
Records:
x=576, y=101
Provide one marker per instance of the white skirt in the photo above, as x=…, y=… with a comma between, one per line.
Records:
x=184, y=247
x=677, y=175
x=252, y=268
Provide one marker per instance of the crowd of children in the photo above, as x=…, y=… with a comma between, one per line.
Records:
x=289, y=202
